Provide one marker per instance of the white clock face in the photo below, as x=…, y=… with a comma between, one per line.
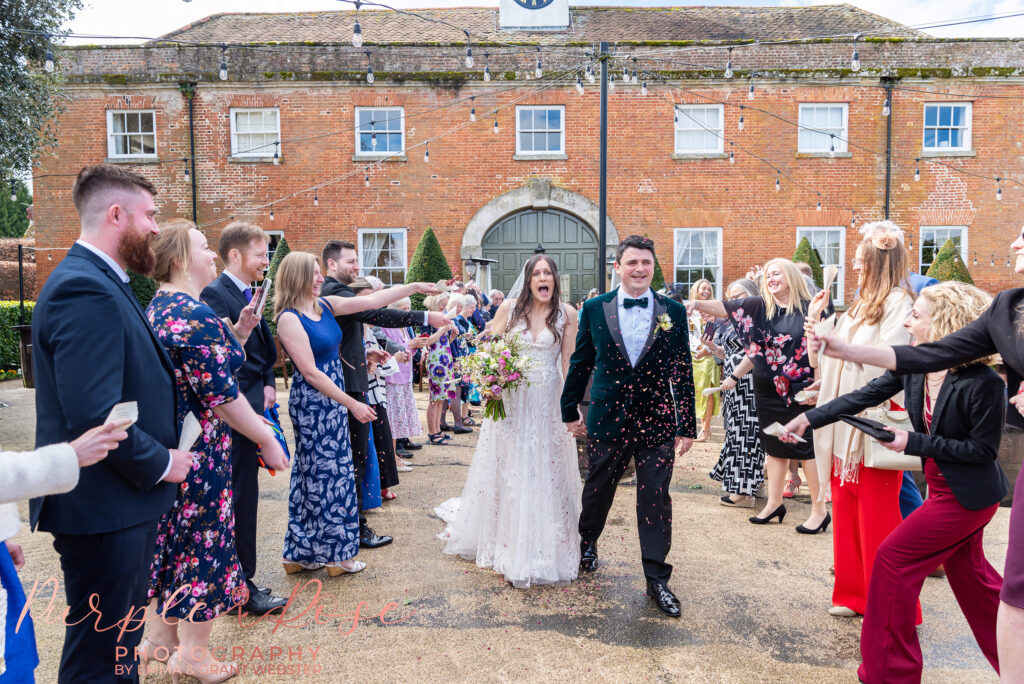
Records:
x=534, y=4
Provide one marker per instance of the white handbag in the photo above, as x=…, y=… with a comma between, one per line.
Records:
x=876, y=455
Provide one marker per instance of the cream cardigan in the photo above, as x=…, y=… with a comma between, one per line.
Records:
x=24, y=475
x=839, y=440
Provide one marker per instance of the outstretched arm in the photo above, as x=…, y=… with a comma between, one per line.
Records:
x=377, y=300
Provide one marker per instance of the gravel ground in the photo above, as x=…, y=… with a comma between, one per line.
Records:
x=753, y=597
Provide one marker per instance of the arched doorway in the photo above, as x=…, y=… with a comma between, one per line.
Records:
x=569, y=241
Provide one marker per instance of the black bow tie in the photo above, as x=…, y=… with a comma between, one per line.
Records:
x=630, y=303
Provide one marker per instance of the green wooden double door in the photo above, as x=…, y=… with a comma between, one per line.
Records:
x=570, y=243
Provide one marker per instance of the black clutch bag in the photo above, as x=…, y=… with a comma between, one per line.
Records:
x=871, y=427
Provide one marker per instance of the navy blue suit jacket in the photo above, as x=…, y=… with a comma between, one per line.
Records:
x=92, y=347
x=227, y=301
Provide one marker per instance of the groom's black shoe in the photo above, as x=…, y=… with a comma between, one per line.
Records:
x=663, y=596
x=368, y=539
x=588, y=556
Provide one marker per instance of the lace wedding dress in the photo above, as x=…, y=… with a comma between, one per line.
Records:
x=520, y=507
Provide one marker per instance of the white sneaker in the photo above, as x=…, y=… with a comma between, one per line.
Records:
x=404, y=469
x=842, y=611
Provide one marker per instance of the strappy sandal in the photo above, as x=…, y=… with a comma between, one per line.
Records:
x=792, y=487
x=437, y=438
x=468, y=421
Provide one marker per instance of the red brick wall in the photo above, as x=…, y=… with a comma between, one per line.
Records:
x=649, y=191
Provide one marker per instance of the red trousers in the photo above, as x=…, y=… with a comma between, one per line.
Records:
x=941, y=532
x=864, y=513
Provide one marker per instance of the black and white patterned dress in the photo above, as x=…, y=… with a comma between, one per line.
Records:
x=740, y=466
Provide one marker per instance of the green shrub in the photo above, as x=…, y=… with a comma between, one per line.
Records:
x=10, y=339
x=14, y=215
x=280, y=252
x=658, y=281
x=143, y=287
x=428, y=265
x=948, y=265
x=808, y=255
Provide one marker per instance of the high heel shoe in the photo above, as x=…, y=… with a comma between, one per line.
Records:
x=779, y=513
x=291, y=567
x=336, y=570
x=150, y=652
x=820, y=528
x=177, y=666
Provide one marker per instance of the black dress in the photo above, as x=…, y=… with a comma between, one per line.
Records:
x=779, y=352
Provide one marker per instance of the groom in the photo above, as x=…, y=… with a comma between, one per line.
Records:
x=635, y=343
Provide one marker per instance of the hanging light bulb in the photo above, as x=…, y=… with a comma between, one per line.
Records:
x=496, y=129
x=855, y=61
x=373, y=139
x=369, y=68
x=426, y=153
x=819, y=205
x=728, y=66
x=831, y=145
x=886, y=107
x=917, y=170
x=223, y=62
x=316, y=198
x=739, y=124
x=277, y=157
x=590, y=73
x=271, y=213
x=48, y=64
x=853, y=220
x=778, y=184
x=635, y=77
x=992, y=260
x=643, y=88
x=472, y=114
x=675, y=114
x=975, y=258
x=750, y=91
x=579, y=85
x=357, y=35
x=469, y=58
x=366, y=178
x=611, y=81
x=14, y=188
x=732, y=157
x=487, y=67
x=538, y=70
x=999, y=190
x=188, y=178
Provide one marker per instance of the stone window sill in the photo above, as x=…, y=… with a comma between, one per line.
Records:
x=682, y=156
x=948, y=153
x=132, y=160
x=380, y=157
x=823, y=155
x=540, y=157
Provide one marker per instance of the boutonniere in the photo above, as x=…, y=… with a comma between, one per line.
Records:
x=664, y=323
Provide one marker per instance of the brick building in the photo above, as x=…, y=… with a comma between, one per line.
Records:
x=682, y=167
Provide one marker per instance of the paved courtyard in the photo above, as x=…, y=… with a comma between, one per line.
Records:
x=753, y=597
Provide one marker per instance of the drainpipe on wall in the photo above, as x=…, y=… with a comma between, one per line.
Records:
x=887, y=83
x=189, y=91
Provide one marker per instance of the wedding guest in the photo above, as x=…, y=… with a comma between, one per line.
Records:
x=998, y=330
x=405, y=420
x=23, y=475
x=459, y=349
x=341, y=264
x=865, y=500
x=323, y=509
x=770, y=327
x=440, y=369
x=470, y=325
x=496, y=297
x=195, y=575
x=92, y=349
x=740, y=466
x=243, y=250
x=705, y=370
x=958, y=424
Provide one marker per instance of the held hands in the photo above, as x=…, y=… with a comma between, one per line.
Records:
x=795, y=428
x=181, y=463
x=898, y=444
x=577, y=428
x=247, y=319
x=273, y=455
x=95, y=444
x=363, y=413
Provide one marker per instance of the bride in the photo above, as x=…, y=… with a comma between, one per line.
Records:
x=520, y=507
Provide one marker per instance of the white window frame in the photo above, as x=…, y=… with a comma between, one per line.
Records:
x=841, y=134
x=279, y=234
x=379, y=152
x=718, y=268
x=112, y=148
x=967, y=128
x=808, y=231
x=682, y=117
x=364, y=270
x=561, y=131
x=262, y=152
x=920, y=244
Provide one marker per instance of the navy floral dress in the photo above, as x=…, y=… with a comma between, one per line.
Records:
x=778, y=350
x=195, y=559
x=323, y=516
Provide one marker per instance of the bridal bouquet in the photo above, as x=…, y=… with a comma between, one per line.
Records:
x=498, y=366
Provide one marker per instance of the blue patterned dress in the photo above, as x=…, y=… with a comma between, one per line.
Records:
x=195, y=559
x=323, y=516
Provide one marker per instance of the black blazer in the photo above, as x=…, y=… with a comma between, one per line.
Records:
x=92, y=347
x=352, y=351
x=995, y=331
x=227, y=301
x=651, y=402
x=967, y=426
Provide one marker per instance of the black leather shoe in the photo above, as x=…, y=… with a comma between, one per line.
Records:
x=369, y=539
x=461, y=430
x=445, y=427
x=663, y=596
x=403, y=453
x=261, y=603
x=406, y=443
x=588, y=556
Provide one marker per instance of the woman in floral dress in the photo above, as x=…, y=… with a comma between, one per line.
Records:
x=440, y=371
x=195, y=574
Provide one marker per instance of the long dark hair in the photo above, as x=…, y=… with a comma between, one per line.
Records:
x=525, y=300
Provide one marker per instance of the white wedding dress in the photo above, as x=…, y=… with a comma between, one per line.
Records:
x=520, y=507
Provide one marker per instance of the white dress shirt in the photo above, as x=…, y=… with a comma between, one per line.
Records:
x=243, y=286
x=635, y=323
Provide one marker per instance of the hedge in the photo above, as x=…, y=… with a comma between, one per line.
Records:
x=280, y=252
x=428, y=265
x=10, y=339
x=143, y=287
x=948, y=265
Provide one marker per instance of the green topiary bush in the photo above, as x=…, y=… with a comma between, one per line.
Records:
x=10, y=339
x=808, y=255
x=143, y=287
x=428, y=265
x=658, y=282
x=948, y=265
x=280, y=252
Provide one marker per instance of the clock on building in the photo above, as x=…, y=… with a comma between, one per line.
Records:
x=534, y=4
